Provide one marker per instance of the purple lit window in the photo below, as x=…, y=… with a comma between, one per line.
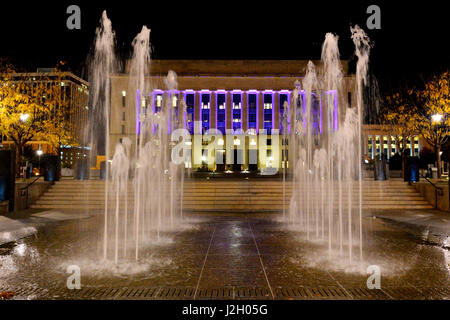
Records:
x=189, y=97
x=268, y=112
x=332, y=94
x=174, y=110
x=237, y=110
x=315, y=114
x=221, y=111
x=205, y=110
x=284, y=99
x=157, y=104
x=252, y=107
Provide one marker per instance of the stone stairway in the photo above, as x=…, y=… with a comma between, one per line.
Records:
x=258, y=195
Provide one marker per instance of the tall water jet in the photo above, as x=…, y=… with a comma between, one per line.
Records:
x=332, y=85
x=139, y=69
x=362, y=51
x=325, y=140
x=102, y=65
x=139, y=170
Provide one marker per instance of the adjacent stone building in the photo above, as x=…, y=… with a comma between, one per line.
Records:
x=76, y=91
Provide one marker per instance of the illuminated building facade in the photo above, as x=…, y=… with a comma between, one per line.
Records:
x=246, y=96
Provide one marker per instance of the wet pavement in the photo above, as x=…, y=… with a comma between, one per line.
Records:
x=224, y=256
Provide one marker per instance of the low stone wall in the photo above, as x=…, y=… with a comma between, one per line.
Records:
x=432, y=195
x=34, y=192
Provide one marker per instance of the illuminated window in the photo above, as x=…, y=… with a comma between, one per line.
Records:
x=205, y=104
x=416, y=146
x=237, y=111
x=284, y=100
x=284, y=155
x=408, y=146
x=370, y=147
x=385, y=146
x=252, y=106
x=174, y=116
x=124, y=98
x=377, y=146
x=158, y=102
x=393, y=146
x=174, y=101
x=190, y=103
x=221, y=114
x=315, y=114
x=268, y=112
x=204, y=156
x=331, y=99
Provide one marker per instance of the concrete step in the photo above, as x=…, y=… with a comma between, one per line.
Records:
x=237, y=190
x=393, y=204
x=237, y=195
x=245, y=208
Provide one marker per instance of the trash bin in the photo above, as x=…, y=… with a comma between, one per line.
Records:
x=52, y=167
x=103, y=170
x=380, y=170
x=5, y=187
x=7, y=177
x=81, y=170
x=434, y=173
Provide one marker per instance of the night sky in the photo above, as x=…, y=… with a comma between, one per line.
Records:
x=411, y=44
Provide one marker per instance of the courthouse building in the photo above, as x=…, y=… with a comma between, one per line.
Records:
x=246, y=95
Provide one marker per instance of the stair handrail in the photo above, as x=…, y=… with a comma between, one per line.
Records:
x=437, y=190
x=27, y=187
x=440, y=189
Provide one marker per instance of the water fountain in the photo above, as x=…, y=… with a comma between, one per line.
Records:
x=326, y=199
x=145, y=175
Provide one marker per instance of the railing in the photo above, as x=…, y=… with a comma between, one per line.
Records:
x=437, y=190
x=25, y=191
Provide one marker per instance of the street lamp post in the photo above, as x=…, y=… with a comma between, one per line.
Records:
x=436, y=121
x=39, y=153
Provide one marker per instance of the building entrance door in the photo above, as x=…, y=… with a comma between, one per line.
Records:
x=252, y=160
x=237, y=160
x=220, y=160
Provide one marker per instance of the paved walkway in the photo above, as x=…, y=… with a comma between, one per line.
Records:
x=224, y=256
x=431, y=225
x=18, y=225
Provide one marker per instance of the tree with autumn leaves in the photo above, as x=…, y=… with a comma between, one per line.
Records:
x=422, y=111
x=398, y=120
x=33, y=108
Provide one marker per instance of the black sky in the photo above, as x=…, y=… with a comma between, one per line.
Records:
x=412, y=41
